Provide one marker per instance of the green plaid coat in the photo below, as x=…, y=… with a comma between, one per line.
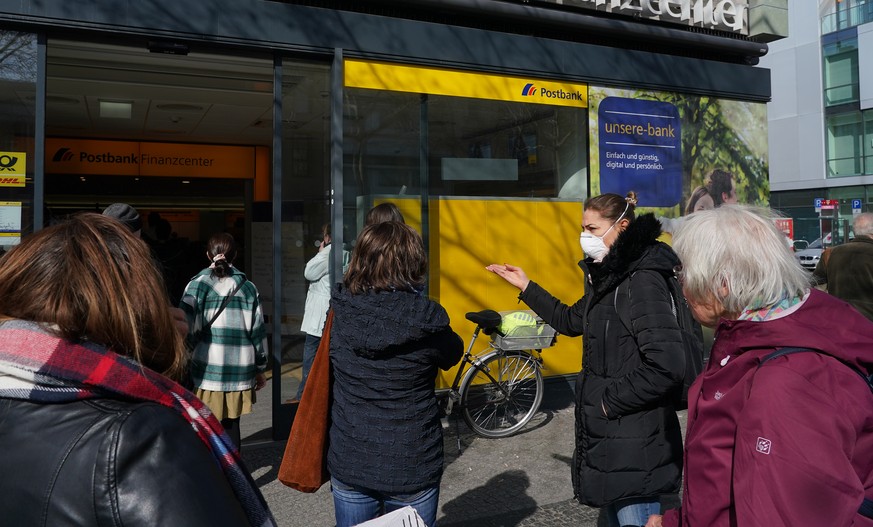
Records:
x=234, y=349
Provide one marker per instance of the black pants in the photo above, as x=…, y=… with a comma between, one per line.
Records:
x=232, y=428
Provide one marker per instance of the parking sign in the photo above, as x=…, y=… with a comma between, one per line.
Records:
x=817, y=204
x=856, y=206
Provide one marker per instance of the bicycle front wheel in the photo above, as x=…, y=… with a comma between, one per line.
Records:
x=501, y=392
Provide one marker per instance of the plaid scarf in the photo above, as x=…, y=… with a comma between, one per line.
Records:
x=36, y=366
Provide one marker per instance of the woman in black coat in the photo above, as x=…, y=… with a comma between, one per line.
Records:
x=628, y=440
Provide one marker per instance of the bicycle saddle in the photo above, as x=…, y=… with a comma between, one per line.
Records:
x=488, y=319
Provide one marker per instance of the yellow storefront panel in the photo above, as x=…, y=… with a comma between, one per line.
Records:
x=468, y=234
x=539, y=236
x=416, y=79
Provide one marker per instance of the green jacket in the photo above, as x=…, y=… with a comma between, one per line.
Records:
x=234, y=349
x=848, y=272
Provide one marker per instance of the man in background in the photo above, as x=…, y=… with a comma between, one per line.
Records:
x=126, y=215
x=848, y=269
x=130, y=218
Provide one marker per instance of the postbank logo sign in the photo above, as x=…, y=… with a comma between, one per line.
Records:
x=414, y=79
x=13, y=169
x=63, y=154
x=129, y=158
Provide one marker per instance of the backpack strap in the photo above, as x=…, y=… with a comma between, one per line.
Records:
x=224, y=303
x=866, y=508
x=790, y=350
x=623, y=302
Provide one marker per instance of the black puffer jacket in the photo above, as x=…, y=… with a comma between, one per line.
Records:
x=385, y=349
x=637, y=450
x=109, y=463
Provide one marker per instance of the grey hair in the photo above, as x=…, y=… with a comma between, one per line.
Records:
x=739, y=248
x=863, y=224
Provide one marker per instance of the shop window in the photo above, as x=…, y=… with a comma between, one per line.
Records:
x=473, y=147
x=795, y=198
x=868, y=142
x=506, y=149
x=845, y=145
x=483, y=166
x=846, y=14
x=840, y=72
x=305, y=182
x=382, y=142
x=18, y=67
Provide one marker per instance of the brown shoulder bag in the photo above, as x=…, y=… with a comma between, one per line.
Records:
x=304, y=465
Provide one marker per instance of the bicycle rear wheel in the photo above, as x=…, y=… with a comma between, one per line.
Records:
x=501, y=392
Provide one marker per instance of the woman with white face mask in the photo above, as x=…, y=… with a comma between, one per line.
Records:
x=628, y=442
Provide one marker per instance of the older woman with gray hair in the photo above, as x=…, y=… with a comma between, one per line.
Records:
x=780, y=423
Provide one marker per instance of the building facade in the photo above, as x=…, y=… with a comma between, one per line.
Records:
x=487, y=122
x=821, y=116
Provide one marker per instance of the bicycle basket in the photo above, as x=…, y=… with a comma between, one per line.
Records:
x=521, y=330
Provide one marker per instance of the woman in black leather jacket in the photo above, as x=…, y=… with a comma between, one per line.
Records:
x=628, y=441
x=94, y=431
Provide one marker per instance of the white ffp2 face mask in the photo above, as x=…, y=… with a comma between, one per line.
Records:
x=593, y=246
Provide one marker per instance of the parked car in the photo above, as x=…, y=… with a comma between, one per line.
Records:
x=810, y=256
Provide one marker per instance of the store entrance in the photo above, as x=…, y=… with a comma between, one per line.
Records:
x=176, y=136
x=187, y=138
x=184, y=139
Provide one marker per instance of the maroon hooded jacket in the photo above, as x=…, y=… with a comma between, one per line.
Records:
x=790, y=443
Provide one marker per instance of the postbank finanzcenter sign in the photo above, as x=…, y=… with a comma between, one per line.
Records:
x=433, y=81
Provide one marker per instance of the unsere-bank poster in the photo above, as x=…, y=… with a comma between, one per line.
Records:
x=679, y=153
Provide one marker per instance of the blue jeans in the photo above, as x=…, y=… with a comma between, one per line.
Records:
x=631, y=512
x=354, y=505
x=310, y=346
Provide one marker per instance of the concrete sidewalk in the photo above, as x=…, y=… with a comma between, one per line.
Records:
x=520, y=481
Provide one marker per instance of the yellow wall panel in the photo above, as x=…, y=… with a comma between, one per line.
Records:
x=468, y=234
x=539, y=236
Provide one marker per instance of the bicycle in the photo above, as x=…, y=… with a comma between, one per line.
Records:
x=500, y=390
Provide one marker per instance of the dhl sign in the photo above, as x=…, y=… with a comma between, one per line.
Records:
x=12, y=181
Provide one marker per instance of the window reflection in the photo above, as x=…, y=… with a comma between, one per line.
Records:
x=471, y=147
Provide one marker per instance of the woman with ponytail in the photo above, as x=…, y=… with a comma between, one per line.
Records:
x=230, y=353
x=628, y=441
